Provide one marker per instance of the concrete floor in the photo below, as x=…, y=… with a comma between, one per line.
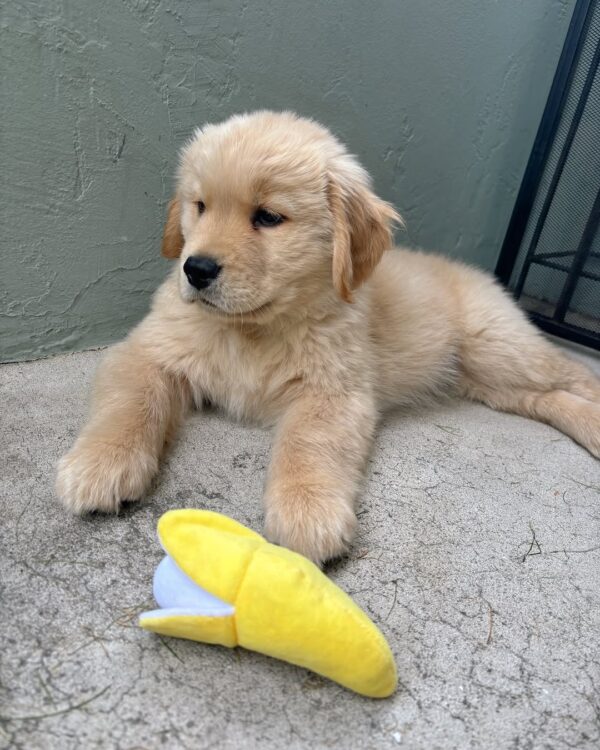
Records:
x=478, y=556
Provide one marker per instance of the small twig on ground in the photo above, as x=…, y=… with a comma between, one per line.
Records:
x=572, y=551
x=395, y=582
x=595, y=487
x=491, y=624
x=66, y=710
x=448, y=429
x=170, y=648
x=534, y=543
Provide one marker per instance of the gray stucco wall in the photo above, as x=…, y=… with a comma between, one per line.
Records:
x=441, y=101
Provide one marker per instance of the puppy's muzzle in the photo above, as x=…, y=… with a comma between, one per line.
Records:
x=201, y=270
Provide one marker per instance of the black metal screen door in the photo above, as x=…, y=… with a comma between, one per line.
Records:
x=550, y=258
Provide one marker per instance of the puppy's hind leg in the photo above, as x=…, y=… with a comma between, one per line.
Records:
x=507, y=364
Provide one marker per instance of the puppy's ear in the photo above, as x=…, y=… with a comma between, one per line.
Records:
x=172, y=241
x=362, y=231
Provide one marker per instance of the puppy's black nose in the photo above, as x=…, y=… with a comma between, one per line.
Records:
x=201, y=270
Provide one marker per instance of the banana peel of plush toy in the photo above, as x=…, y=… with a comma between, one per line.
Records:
x=224, y=584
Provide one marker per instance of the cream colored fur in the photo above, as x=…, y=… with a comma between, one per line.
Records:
x=311, y=327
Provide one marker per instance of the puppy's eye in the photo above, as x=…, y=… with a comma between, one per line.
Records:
x=201, y=207
x=264, y=218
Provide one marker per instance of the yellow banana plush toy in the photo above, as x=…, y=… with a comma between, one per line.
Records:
x=223, y=583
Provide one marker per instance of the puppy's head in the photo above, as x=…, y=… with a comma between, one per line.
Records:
x=271, y=213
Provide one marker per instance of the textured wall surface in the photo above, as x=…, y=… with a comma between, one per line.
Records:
x=440, y=100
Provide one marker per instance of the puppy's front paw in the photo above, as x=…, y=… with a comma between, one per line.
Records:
x=318, y=527
x=99, y=475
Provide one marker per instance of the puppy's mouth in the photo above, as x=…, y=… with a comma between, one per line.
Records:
x=240, y=313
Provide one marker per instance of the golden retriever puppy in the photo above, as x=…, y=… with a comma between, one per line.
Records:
x=285, y=308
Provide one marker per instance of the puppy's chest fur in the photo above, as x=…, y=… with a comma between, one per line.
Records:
x=256, y=378
x=255, y=375
x=246, y=377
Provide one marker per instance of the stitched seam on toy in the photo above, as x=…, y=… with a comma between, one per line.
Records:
x=239, y=588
